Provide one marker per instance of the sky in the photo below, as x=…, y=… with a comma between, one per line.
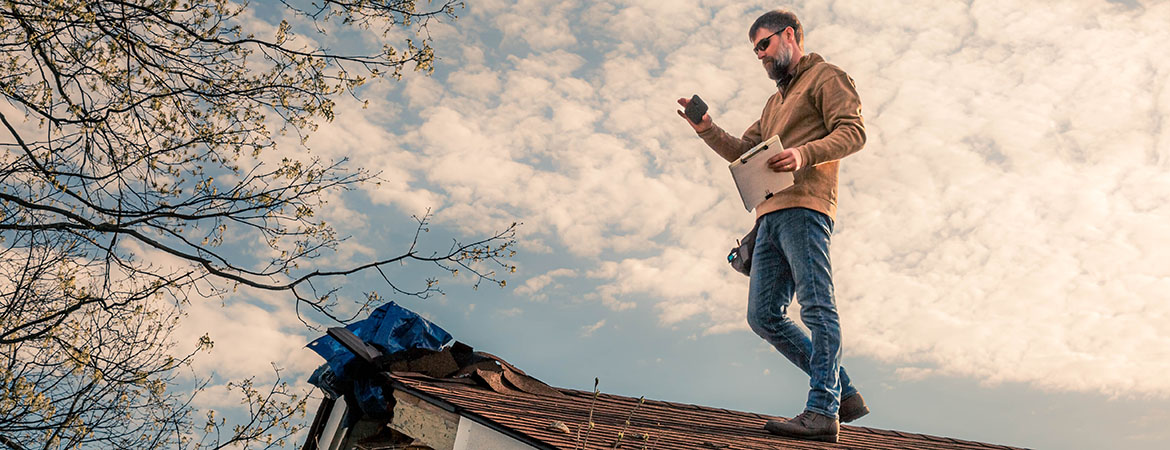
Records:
x=1001, y=253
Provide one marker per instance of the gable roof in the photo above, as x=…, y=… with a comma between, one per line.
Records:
x=560, y=421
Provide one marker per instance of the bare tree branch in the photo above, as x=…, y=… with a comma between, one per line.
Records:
x=138, y=137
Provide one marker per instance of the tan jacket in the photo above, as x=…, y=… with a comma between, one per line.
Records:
x=820, y=116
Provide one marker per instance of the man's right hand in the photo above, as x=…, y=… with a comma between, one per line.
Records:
x=700, y=127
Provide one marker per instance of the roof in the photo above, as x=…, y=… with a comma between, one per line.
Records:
x=460, y=382
x=559, y=421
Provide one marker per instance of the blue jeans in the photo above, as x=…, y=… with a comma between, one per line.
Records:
x=792, y=257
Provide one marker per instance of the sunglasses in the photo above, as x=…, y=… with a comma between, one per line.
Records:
x=765, y=42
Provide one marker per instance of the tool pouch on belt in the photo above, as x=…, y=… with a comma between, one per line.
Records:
x=740, y=257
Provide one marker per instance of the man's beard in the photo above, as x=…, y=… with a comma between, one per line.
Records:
x=777, y=68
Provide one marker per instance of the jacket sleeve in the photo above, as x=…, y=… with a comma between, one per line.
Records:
x=729, y=147
x=840, y=107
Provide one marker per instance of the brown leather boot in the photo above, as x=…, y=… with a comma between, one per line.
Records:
x=808, y=425
x=852, y=408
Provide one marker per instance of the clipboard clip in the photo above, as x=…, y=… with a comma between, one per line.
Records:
x=754, y=152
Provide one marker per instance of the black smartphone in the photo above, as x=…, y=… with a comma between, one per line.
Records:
x=695, y=109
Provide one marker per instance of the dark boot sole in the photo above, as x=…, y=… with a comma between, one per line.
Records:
x=832, y=438
x=807, y=437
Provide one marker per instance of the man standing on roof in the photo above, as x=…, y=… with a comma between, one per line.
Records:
x=817, y=115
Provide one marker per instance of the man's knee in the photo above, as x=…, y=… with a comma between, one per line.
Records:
x=753, y=321
x=820, y=314
x=762, y=324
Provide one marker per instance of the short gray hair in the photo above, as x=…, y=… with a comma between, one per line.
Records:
x=778, y=20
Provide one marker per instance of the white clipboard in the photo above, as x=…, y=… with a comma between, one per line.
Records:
x=755, y=181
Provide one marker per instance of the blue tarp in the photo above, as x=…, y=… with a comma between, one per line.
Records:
x=390, y=328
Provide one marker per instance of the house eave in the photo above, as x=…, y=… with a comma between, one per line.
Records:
x=463, y=413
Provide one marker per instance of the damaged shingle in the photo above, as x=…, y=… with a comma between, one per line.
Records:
x=460, y=362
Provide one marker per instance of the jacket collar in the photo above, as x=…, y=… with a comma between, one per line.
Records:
x=806, y=62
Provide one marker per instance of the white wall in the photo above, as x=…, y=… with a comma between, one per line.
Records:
x=473, y=436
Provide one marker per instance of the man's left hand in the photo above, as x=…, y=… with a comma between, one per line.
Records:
x=788, y=160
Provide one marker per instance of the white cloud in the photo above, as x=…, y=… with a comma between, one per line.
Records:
x=510, y=312
x=251, y=332
x=541, y=24
x=477, y=84
x=533, y=286
x=588, y=330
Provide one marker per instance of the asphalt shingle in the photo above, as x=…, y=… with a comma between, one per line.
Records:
x=653, y=425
